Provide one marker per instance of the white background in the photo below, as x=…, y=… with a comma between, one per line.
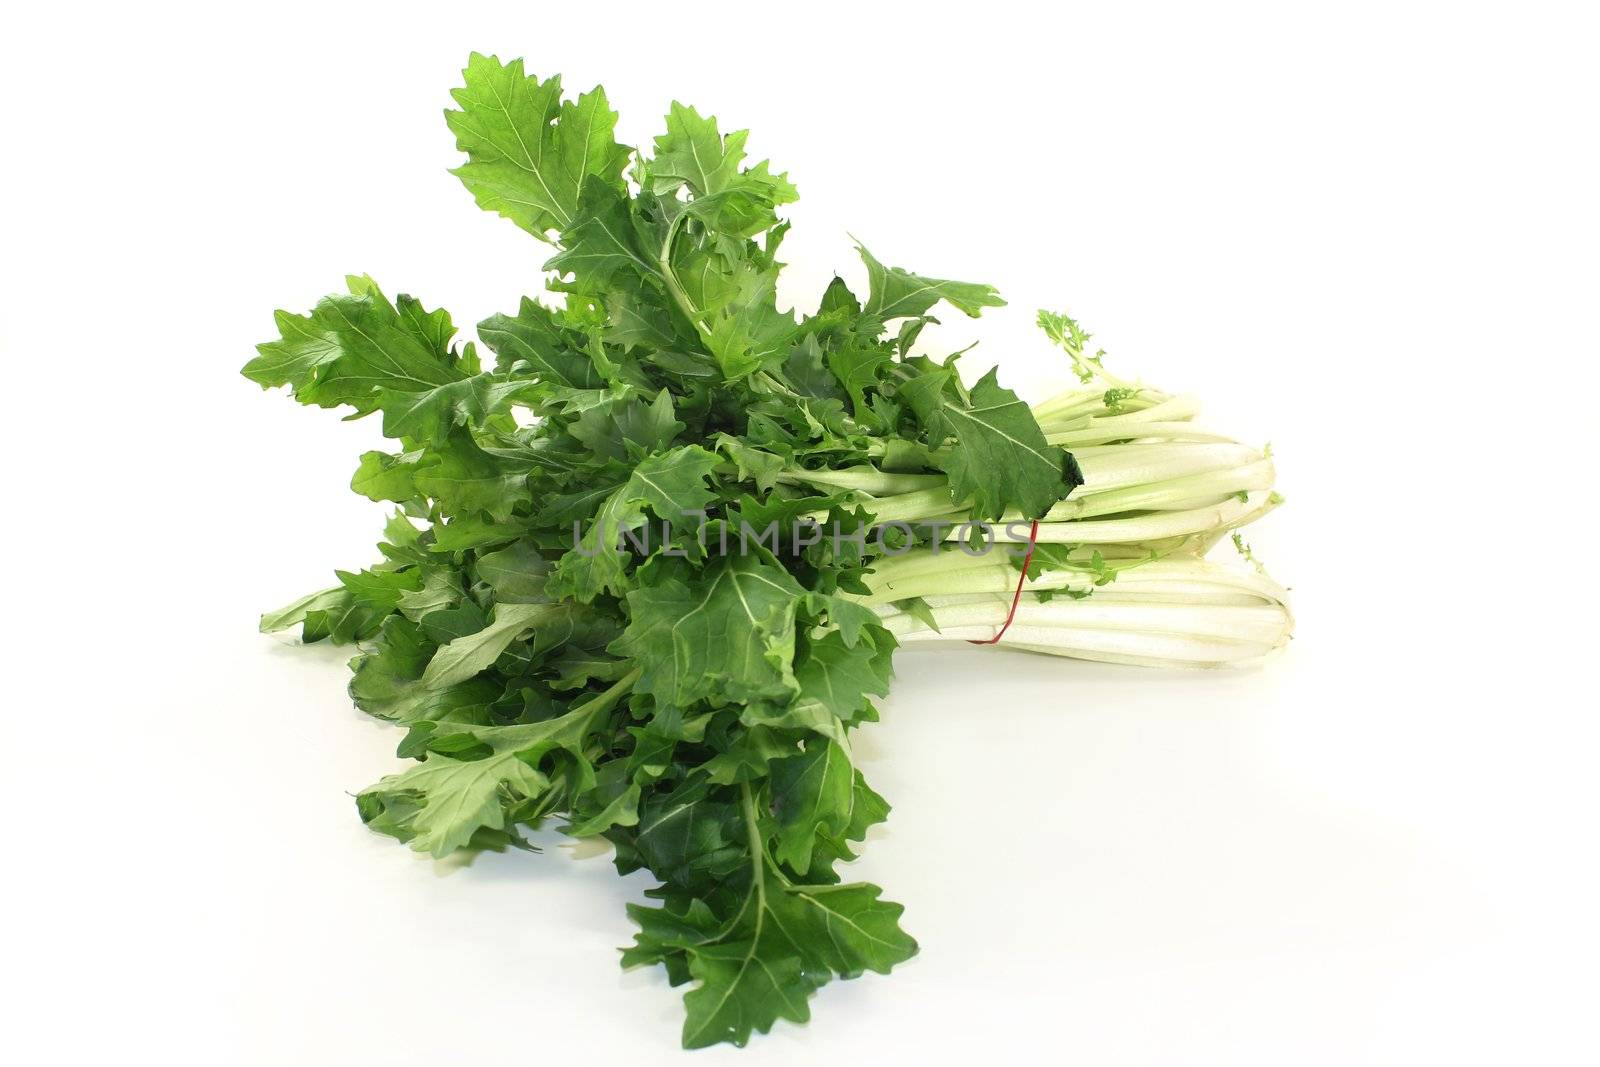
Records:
x=1366, y=233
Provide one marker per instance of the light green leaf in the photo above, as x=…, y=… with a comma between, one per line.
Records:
x=745, y=986
x=387, y=680
x=811, y=794
x=529, y=152
x=532, y=344
x=382, y=476
x=467, y=656
x=896, y=294
x=441, y=803
x=847, y=928
x=295, y=613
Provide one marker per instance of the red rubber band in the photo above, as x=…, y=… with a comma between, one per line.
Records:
x=1016, y=598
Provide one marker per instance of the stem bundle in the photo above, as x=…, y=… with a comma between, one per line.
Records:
x=1129, y=582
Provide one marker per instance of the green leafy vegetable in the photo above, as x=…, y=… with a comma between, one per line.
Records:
x=647, y=571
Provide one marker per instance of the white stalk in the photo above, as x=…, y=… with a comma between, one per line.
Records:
x=1185, y=613
x=1185, y=581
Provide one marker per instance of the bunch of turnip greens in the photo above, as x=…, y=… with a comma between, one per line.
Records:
x=569, y=616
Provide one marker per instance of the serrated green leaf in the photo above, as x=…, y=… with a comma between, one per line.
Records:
x=1001, y=460
x=895, y=294
x=386, y=681
x=726, y=635
x=811, y=794
x=529, y=152
x=467, y=656
x=671, y=485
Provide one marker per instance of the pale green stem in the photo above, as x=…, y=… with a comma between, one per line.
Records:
x=867, y=479
x=758, y=853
